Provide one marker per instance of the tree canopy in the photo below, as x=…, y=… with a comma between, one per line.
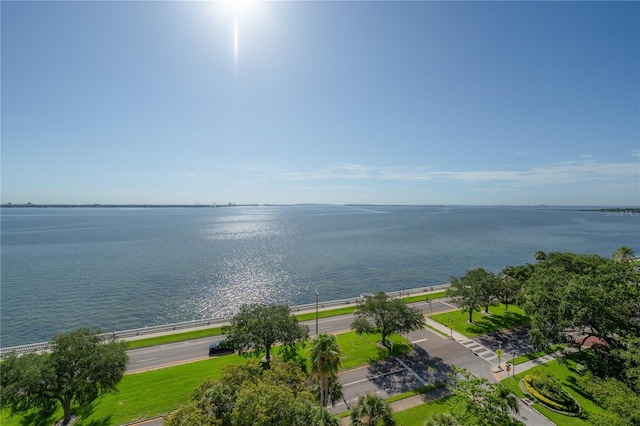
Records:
x=371, y=410
x=80, y=367
x=258, y=327
x=380, y=314
x=476, y=401
x=252, y=396
x=473, y=290
x=585, y=294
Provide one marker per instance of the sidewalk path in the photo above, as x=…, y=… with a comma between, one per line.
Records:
x=527, y=365
x=446, y=331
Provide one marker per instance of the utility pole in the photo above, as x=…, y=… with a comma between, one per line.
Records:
x=316, y=312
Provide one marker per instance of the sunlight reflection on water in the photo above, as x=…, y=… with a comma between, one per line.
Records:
x=254, y=272
x=122, y=269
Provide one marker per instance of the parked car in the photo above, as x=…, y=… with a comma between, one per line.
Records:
x=218, y=347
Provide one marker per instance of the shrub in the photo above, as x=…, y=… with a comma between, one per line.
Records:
x=546, y=390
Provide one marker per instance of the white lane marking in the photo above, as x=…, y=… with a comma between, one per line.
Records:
x=419, y=340
x=424, y=383
x=146, y=360
x=372, y=377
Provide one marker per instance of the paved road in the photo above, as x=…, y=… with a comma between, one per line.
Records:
x=429, y=363
x=194, y=350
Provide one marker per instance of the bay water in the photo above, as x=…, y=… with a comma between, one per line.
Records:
x=123, y=268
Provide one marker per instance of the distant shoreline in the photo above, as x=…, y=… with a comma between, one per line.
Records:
x=30, y=205
x=623, y=210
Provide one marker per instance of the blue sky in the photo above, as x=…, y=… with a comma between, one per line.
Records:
x=321, y=102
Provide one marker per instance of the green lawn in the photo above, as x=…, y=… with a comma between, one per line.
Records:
x=499, y=319
x=147, y=394
x=154, y=393
x=416, y=416
x=308, y=316
x=563, y=373
x=358, y=350
x=157, y=392
x=536, y=354
x=173, y=338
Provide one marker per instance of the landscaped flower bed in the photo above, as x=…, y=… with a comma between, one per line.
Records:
x=549, y=393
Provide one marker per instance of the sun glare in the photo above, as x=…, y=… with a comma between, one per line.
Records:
x=239, y=8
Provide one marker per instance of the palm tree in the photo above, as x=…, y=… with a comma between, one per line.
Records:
x=325, y=362
x=623, y=254
x=540, y=256
x=370, y=410
x=507, y=400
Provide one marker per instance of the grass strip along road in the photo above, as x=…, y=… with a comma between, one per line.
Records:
x=153, y=393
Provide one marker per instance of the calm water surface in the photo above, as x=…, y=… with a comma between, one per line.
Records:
x=122, y=268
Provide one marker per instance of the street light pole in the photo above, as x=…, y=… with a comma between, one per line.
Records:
x=316, y=312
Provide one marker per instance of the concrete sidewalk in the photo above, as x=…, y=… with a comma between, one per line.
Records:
x=527, y=365
x=446, y=331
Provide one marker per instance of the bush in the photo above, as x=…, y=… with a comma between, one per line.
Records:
x=546, y=390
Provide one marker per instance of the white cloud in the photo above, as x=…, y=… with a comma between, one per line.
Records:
x=327, y=188
x=584, y=170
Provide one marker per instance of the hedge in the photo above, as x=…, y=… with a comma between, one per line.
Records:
x=529, y=389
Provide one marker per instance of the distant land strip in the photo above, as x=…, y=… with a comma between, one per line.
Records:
x=619, y=210
x=11, y=205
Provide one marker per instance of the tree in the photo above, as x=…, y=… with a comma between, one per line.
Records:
x=623, y=254
x=507, y=289
x=371, y=410
x=251, y=395
x=622, y=405
x=266, y=404
x=476, y=401
x=540, y=256
x=214, y=400
x=380, y=314
x=189, y=415
x=257, y=328
x=80, y=367
x=472, y=290
x=489, y=288
x=325, y=362
x=589, y=294
x=629, y=355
